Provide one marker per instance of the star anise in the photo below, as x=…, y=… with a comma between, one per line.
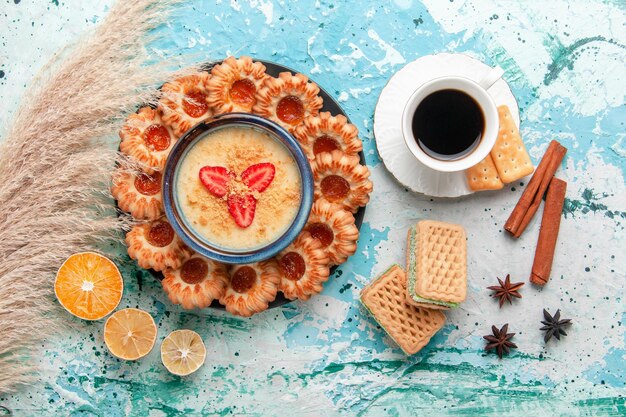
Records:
x=500, y=340
x=554, y=326
x=506, y=291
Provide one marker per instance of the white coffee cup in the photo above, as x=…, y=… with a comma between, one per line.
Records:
x=476, y=90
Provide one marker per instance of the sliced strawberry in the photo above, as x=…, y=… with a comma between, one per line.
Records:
x=242, y=208
x=215, y=179
x=259, y=176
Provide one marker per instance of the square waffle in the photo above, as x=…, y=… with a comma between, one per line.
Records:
x=436, y=264
x=409, y=326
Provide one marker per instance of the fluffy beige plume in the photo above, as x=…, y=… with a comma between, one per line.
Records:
x=55, y=165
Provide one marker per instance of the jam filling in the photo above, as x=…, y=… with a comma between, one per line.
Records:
x=292, y=266
x=194, y=271
x=243, y=279
x=195, y=104
x=290, y=110
x=148, y=184
x=322, y=232
x=243, y=92
x=160, y=234
x=325, y=143
x=157, y=138
x=335, y=188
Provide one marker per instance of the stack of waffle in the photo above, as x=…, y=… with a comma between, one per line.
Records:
x=409, y=305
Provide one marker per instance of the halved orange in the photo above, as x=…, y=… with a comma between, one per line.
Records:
x=130, y=333
x=183, y=352
x=89, y=285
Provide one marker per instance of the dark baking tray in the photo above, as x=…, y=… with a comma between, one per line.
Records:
x=330, y=105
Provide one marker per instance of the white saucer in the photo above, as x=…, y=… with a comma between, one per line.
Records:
x=388, y=121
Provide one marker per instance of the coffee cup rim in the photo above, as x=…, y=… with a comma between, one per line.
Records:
x=482, y=98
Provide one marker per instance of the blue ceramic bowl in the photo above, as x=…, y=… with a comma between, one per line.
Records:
x=172, y=206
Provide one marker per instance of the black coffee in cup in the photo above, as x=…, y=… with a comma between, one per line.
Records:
x=448, y=124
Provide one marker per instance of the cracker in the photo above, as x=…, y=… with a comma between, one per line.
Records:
x=509, y=153
x=409, y=326
x=436, y=264
x=484, y=176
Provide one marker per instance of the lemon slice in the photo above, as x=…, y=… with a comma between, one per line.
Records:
x=130, y=333
x=183, y=352
x=89, y=285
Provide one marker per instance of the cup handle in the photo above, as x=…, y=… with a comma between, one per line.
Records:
x=491, y=77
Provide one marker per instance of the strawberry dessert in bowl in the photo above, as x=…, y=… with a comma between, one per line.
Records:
x=237, y=188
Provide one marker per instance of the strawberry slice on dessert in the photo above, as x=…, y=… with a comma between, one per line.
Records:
x=215, y=179
x=242, y=208
x=259, y=176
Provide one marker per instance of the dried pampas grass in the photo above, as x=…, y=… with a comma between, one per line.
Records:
x=55, y=165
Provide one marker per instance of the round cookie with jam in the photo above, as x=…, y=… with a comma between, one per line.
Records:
x=335, y=229
x=251, y=288
x=138, y=193
x=147, y=139
x=234, y=84
x=185, y=102
x=340, y=179
x=196, y=284
x=304, y=267
x=288, y=99
x=156, y=246
x=325, y=133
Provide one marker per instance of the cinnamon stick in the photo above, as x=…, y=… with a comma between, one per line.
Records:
x=528, y=195
x=553, y=165
x=531, y=197
x=550, y=223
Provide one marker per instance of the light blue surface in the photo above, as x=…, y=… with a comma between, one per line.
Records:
x=565, y=64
